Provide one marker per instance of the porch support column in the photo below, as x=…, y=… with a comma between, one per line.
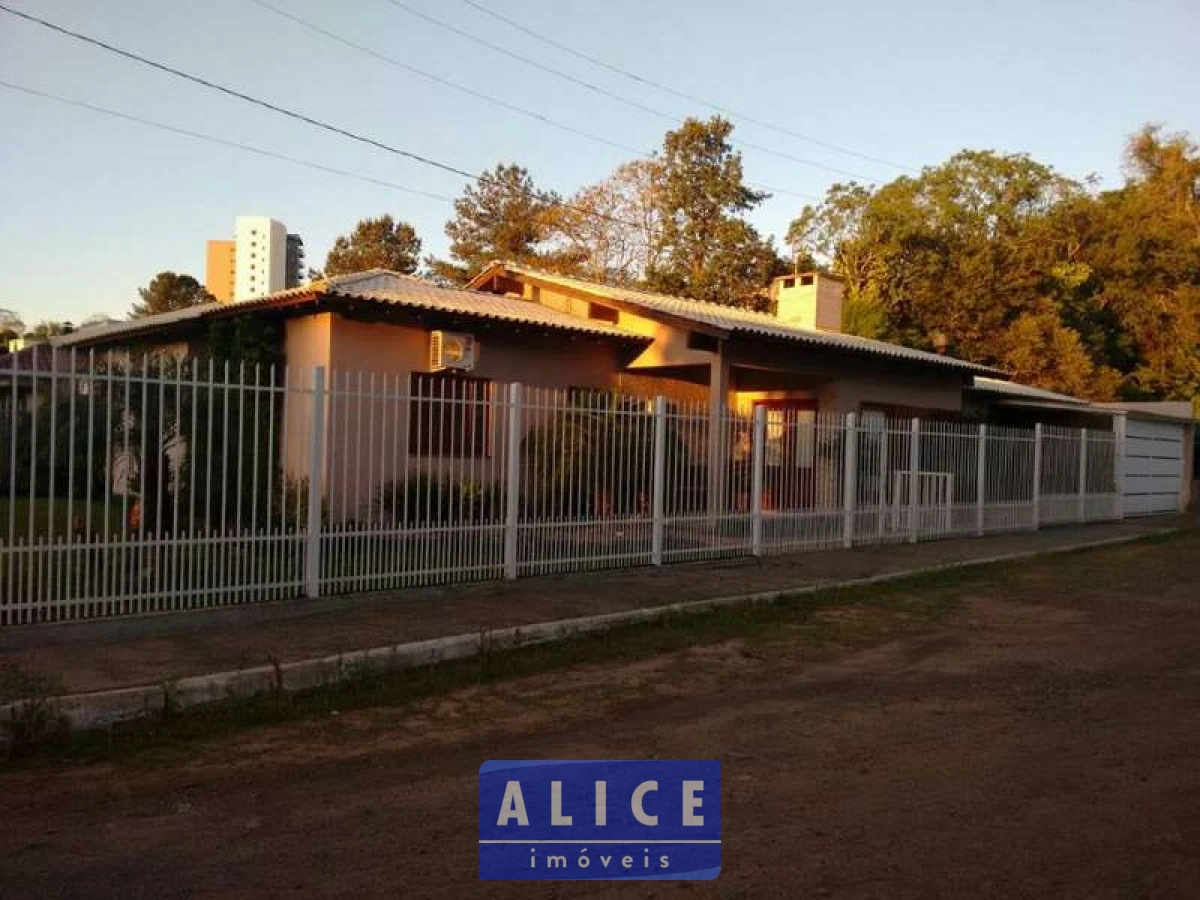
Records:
x=718, y=443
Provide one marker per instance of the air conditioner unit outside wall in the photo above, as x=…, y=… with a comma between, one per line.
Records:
x=452, y=350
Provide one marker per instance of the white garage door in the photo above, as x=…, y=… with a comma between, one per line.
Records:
x=1153, y=466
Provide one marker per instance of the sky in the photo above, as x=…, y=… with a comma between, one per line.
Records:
x=91, y=207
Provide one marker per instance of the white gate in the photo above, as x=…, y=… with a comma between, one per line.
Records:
x=1154, y=455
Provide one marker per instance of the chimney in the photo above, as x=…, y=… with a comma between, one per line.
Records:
x=809, y=300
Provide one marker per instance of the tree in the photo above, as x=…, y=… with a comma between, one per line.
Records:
x=706, y=250
x=836, y=235
x=43, y=331
x=942, y=254
x=614, y=227
x=1074, y=289
x=11, y=326
x=169, y=291
x=503, y=215
x=1037, y=348
x=375, y=244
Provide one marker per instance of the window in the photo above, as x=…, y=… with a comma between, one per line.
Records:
x=448, y=415
x=789, y=282
x=790, y=440
x=806, y=279
x=602, y=313
x=698, y=340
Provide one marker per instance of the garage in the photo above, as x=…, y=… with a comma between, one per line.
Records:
x=1155, y=454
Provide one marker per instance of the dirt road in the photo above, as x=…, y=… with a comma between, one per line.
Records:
x=1042, y=740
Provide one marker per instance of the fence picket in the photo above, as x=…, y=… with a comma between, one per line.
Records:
x=357, y=481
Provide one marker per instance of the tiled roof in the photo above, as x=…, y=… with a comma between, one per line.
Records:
x=377, y=285
x=734, y=320
x=1023, y=391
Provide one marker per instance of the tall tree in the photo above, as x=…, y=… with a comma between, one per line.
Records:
x=1075, y=289
x=381, y=243
x=503, y=215
x=169, y=291
x=944, y=253
x=11, y=326
x=614, y=227
x=707, y=251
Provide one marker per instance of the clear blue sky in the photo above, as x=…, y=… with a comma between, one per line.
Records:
x=91, y=207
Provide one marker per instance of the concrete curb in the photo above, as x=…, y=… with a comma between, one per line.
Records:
x=100, y=708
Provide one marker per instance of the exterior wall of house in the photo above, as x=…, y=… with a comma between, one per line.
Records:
x=837, y=383
x=909, y=390
x=387, y=354
x=670, y=347
x=306, y=345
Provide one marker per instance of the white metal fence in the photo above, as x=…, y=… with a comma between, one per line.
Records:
x=151, y=485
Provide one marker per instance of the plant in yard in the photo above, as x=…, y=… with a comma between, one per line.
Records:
x=423, y=499
x=593, y=458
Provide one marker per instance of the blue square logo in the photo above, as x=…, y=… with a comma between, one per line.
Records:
x=596, y=820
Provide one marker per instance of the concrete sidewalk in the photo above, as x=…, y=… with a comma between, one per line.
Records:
x=122, y=653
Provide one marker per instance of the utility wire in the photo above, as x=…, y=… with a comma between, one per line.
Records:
x=620, y=98
x=208, y=138
x=640, y=79
x=437, y=79
x=445, y=82
x=301, y=117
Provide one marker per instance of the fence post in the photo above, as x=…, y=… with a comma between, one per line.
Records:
x=658, y=484
x=316, y=472
x=914, y=482
x=1083, y=454
x=884, y=463
x=849, y=477
x=1037, y=475
x=1119, y=465
x=512, y=481
x=758, y=440
x=980, y=478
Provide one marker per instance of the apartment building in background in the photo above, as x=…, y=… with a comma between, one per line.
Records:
x=261, y=259
x=218, y=269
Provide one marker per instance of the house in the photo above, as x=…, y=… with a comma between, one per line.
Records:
x=518, y=324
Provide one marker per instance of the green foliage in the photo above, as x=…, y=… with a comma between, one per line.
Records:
x=573, y=460
x=381, y=243
x=707, y=251
x=43, y=331
x=1093, y=293
x=169, y=291
x=503, y=215
x=11, y=326
x=425, y=500
x=247, y=341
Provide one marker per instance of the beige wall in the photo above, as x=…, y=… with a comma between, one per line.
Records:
x=367, y=416
x=920, y=391
x=670, y=347
x=306, y=344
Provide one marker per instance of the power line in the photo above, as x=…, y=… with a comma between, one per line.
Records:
x=208, y=138
x=301, y=117
x=445, y=82
x=641, y=79
x=620, y=98
x=437, y=79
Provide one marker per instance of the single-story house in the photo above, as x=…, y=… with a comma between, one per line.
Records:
x=518, y=324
